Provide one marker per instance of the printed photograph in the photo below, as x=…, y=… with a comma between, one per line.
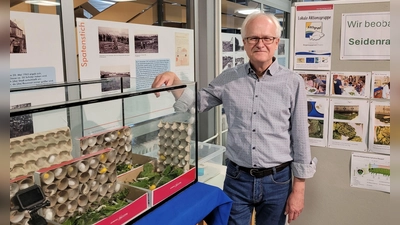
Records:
x=146, y=43
x=347, y=131
x=381, y=87
x=315, y=84
x=21, y=125
x=349, y=85
x=300, y=60
x=17, y=36
x=281, y=48
x=345, y=112
x=113, y=40
x=316, y=128
x=239, y=60
x=382, y=135
x=382, y=114
x=239, y=46
x=115, y=77
x=315, y=109
x=227, y=45
x=227, y=62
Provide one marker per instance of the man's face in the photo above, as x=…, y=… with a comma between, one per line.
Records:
x=260, y=53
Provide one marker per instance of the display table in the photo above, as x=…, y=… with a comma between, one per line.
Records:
x=199, y=201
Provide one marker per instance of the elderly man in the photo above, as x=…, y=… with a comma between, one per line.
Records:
x=267, y=143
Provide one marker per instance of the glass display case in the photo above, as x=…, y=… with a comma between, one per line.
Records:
x=109, y=154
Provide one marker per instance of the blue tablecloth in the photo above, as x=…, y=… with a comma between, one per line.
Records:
x=199, y=201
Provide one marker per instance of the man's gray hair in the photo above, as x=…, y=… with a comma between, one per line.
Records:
x=259, y=14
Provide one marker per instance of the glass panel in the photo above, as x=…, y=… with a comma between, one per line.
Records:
x=35, y=6
x=141, y=111
x=147, y=12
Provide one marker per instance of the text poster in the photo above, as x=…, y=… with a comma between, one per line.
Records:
x=313, y=37
x=348, y=124
x=365, y=36
x=130, y=56
x=35, y=59
x=379, y=132
x=370, y=171
x=350, y=84
x=318, y=109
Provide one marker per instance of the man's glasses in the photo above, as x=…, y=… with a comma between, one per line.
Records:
x=265, y=40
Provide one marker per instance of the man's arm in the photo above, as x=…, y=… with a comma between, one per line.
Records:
x=302, y=166
x=295, y=202
x=168, y=78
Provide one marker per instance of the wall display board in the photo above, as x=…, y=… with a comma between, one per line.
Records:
x=35, y=59
x=355, y=115
x=380, y=88
x=350, y=84
x=282, y=54
x=348, y=124
x=318, y=109
x=370, y=171
x=233, y=53
x=123, y=51
x=365, y=36
x=379, y=132
x=316, y=82
x=313, y=37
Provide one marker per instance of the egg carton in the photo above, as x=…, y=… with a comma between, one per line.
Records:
x=174, y=145
x=32, y=152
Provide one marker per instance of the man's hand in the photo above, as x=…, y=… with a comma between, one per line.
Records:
x=167, y=78
x=295, y=202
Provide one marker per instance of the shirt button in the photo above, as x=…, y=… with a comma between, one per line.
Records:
x=254, y=130
x=254, y=113
x=254, y=147
x=254, y=165
x=256, y=96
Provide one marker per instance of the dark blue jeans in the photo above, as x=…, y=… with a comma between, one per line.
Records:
x=268, y=195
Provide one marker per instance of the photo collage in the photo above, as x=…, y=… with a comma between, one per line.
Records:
x=349, y=110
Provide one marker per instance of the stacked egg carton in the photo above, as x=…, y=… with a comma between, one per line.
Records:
x=17, y=217
x=174, y=145
x=119, y=139
x=78, y=185
x=32, y=152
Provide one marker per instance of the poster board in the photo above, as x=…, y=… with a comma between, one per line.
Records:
x=137, y=53
x=329, y=198
x=35, y=59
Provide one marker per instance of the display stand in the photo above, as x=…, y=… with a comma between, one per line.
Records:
x=199, y=201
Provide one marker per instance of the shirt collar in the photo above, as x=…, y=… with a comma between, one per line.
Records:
x=272, y=70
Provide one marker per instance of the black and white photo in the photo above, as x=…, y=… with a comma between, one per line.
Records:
x=21, y=125
x=113, y=40
x=17, y=36
x=115, y=76
x=146, y=43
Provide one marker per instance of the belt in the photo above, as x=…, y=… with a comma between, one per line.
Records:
x=262, y=172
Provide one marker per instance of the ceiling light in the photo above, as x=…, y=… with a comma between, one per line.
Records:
x=123, y=0
x=42, y=2
x=247, y=11
x=107, y=2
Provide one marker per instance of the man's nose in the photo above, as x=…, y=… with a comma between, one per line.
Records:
x=260, y=43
